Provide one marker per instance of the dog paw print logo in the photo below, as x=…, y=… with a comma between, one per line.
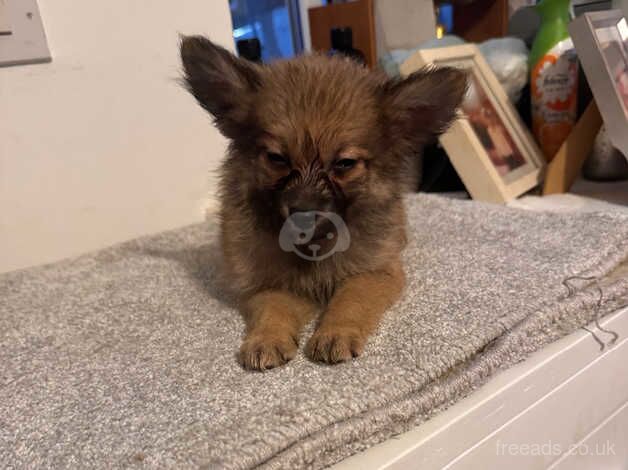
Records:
x=314, y=235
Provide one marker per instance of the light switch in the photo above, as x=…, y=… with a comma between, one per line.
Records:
x=5, y=25
x=22, y=37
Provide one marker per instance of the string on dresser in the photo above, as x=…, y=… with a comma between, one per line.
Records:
x=571, y=291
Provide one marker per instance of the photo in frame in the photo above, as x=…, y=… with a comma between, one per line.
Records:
x=601, y=41
x=490, y=147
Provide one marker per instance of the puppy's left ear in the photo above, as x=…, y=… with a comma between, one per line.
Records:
x=423, y=105
x=222, y=83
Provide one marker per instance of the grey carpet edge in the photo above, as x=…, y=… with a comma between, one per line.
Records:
x=116, y=249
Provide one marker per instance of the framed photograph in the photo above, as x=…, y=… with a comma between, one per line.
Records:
x=489, y=146
x=601, y=40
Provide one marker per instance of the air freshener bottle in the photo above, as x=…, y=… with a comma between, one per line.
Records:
x=554, y=78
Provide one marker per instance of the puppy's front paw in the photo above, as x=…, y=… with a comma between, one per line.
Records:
x=261, y=351
x=334, y=345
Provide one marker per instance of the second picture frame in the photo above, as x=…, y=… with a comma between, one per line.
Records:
x=490, y=147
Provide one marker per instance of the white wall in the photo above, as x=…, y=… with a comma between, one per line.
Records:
x=403, y=24
x=102, y=144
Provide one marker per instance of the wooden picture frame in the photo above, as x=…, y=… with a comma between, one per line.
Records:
x=601, y=40
x=489, y=146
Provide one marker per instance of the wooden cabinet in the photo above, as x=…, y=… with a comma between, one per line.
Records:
x=480, y=20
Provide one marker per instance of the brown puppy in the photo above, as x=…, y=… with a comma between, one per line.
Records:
x=318, y=152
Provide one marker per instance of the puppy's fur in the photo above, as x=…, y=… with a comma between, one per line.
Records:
x=325, y=134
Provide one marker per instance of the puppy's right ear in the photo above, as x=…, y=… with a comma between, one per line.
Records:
x=222, y=83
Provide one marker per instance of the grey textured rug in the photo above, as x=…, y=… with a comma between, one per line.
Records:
x=127, y=356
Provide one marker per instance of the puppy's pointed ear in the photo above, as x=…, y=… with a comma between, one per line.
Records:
x=222, y=83
x=423, y=105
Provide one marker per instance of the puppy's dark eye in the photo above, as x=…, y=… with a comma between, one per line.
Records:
x=344, y=164
x=277, y=159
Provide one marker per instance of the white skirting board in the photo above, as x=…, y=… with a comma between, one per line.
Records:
x=565, y=407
